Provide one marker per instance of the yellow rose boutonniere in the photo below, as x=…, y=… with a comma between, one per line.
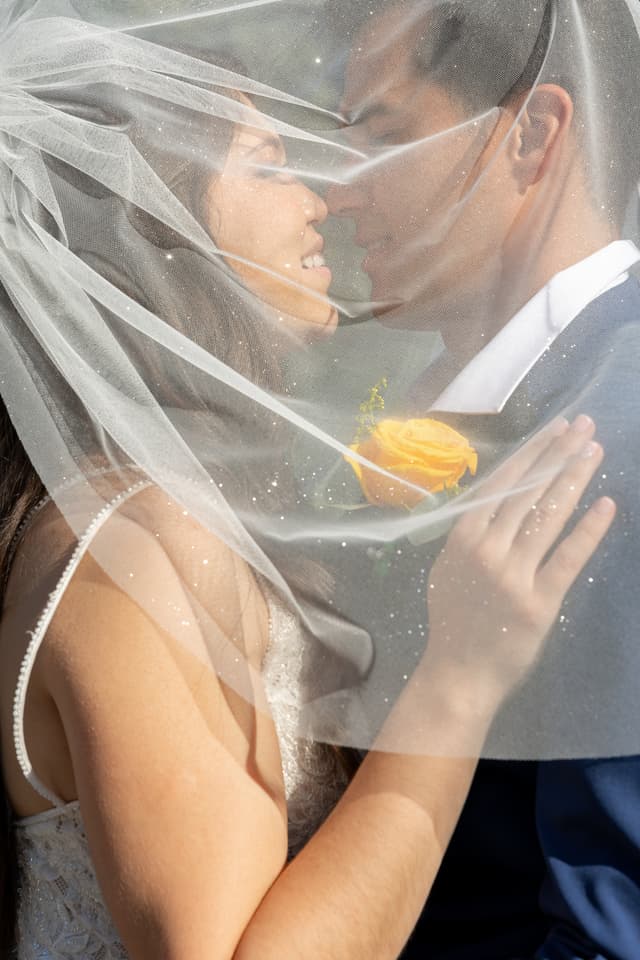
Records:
x=426, y=453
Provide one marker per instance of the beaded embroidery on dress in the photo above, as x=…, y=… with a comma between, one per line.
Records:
x=61, y=912
x=313, y=776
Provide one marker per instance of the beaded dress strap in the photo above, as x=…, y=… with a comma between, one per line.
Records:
x=38, y=635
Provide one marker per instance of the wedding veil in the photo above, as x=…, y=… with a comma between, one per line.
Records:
x=170, y=355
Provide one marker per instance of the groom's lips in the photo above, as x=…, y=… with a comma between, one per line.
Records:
x=373, y=242
x=374, y=250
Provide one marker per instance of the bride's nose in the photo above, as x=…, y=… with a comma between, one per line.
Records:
x=315, y=208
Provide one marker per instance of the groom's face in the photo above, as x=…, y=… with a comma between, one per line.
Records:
x=432, y=214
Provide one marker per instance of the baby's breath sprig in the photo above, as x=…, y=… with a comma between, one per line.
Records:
x=369, y=411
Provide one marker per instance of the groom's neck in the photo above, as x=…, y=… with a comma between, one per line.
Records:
x=482, y=312
x=549, y=237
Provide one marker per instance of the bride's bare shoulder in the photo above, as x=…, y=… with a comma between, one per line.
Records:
x=158, y=622
x=146, y=555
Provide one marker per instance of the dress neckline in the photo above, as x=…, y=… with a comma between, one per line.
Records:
x=51, y=814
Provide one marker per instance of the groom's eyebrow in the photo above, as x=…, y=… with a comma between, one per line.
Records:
x=372, y=111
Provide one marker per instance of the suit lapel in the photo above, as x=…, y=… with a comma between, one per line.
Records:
x=554, y=385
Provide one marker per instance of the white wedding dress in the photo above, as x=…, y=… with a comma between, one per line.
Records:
x=61, y=912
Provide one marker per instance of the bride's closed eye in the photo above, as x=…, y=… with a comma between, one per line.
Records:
x=266, y=160
x=270, y=170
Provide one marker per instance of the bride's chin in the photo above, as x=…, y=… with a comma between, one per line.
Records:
x=326, y=329
x=299, y=332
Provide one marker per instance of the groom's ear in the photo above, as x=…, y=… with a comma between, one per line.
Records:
x=540, y=132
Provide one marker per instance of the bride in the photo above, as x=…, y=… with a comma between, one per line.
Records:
x=162, y=263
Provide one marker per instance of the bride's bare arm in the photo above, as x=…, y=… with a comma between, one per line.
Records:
x=179, y=778
x=357, y=889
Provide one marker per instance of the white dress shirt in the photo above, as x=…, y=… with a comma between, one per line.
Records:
x=487, y=382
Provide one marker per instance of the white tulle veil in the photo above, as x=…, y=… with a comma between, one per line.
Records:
x=148, y=357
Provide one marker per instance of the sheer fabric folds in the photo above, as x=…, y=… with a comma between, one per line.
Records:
x=234, y=238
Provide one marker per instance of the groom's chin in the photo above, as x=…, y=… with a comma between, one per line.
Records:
x=403, y=316
x=397, y=309
x=389, y=312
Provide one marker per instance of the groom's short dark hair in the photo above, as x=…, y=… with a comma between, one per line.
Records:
x=486, y=52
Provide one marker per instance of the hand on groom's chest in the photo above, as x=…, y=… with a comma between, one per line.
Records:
x=542, y=360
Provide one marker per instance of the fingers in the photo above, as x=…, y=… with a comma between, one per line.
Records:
x=545, y=522
x=491, y=492
x=547, y=485
x=571, y=556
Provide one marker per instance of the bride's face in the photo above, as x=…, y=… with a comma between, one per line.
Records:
x=265, y=220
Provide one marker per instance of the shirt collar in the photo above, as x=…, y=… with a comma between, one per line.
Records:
x=486, y=383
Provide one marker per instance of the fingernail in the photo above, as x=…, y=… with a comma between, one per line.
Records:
x=559, y=426
x=589, y=450
x=582, y=423
x=605, y=506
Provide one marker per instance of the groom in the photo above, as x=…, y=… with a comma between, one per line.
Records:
x=505, y=236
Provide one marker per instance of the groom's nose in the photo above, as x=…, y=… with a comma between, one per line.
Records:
x=346, y=199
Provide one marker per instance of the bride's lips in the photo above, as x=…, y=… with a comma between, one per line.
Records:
x=313, y=262
x=324, y=271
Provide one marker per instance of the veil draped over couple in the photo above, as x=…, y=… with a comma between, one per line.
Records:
x=319, y=540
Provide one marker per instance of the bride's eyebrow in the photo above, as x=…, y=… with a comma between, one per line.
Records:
x=266, y=141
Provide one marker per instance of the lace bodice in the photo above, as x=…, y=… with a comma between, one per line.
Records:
x=61, y=913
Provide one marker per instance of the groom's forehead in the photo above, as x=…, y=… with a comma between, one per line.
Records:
x=456, y=47
x=390, y=89
x=381, y=67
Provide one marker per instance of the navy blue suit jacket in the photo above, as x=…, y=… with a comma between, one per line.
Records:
x=545, y=861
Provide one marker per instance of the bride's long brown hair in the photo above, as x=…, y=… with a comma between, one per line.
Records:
x=20, y=490
x=187, y=307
